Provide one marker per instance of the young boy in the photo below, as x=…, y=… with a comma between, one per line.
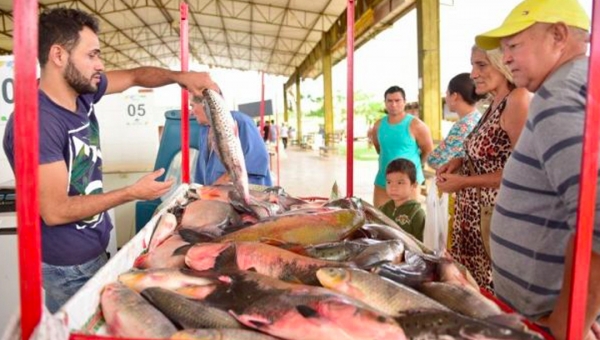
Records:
x=401, y=182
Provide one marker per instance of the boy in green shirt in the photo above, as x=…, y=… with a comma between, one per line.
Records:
x=401, y=182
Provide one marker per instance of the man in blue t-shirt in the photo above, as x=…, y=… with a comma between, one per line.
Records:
x=210, y=169
x=74, y=223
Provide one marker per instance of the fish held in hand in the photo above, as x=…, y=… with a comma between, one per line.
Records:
x=227, y=142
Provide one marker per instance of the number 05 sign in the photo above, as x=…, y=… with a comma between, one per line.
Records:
x=7, y=88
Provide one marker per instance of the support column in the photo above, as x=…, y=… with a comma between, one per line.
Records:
x=298, y=111
x=328, y=92
x=286, y=115
x=428, y=28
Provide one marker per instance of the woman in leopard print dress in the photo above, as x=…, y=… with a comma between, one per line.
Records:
x=488, y=148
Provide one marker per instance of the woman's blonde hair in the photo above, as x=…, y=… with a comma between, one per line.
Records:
x=495, y=58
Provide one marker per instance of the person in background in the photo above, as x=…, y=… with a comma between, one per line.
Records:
x=398, y=135
x=401, y=181
x=292, y=134
x=284, y=135
x=75, y=224
x=266, y=129
x=475, y=177
x=273, y=132
x=209, y=168
x=460, y=98
x=534, y=222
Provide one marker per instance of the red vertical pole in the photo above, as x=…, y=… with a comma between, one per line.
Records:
x=185, y=107
x=587, y=192
x=350, y=99
x=26, y=163
x=262, y=103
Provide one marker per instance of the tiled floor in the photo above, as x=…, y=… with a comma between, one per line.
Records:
x=305, y=173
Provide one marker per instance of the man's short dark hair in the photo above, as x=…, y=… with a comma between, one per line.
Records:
x=404, y=166
x=394, y=89
x=61, y=26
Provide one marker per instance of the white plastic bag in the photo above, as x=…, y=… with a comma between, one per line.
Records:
x=435, y=234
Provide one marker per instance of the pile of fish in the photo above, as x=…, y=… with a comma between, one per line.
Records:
x=309, y=270
x=232, y=263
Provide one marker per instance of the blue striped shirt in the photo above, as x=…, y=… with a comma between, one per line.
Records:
x=537, y=204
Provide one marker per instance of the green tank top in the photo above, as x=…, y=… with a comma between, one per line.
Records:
x=395, y=141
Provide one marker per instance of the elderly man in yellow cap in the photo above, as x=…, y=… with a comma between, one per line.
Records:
x=544, y=44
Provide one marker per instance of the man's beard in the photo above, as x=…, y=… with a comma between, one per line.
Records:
x=77, y=81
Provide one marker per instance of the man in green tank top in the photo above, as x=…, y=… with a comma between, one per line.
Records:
x=399, y=135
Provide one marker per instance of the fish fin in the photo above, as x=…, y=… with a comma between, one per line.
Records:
x=227, y=258
x=253, y=321
x=252, y=269
x=307, y=311
x=293, y=247
x=151, y=243
x=182, y=250
x=275, y=242
x=140, y=261
x=513, y=321
x=193, y=237
x=239, y=205
x=236, y=130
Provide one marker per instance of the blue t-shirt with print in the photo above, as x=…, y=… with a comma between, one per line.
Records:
x=209, y=167
x=73, y=138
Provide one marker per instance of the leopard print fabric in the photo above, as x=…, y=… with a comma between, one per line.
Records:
x=488, y=147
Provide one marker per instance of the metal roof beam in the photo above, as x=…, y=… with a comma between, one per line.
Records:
x=373, y=16
x=6, y=23
x=163, y=27
x=157, y=35
x=151, y=43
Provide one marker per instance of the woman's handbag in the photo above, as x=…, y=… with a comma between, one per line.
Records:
x=435, y=234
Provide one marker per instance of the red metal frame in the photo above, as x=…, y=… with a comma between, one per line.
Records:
x=262, y=104
x=350, y=99
x=26, y=163
x=185, y=106
x=587, y=192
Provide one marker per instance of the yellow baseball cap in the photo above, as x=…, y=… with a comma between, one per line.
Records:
x=528, y=13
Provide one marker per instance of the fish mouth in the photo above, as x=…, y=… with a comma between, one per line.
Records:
x=330, y=277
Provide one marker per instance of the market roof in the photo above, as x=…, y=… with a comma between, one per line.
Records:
x=275, y=36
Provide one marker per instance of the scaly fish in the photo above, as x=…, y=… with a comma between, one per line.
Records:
x=220, y=334
x=209, y=216
x=306, y=317
x=334, y=251
x=227, y=143
x=263, y=258
x=461, y=299
x=163, y=230
x=163, y=256
x=384, y=295
x=302, y=229
x=173, y=279
x=385, y=251
x=187, y=313
x=425, y=325
x=128, y=315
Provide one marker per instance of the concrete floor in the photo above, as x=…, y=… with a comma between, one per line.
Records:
x=304, y=173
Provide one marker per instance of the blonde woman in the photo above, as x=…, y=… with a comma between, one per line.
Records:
x=476, y=176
